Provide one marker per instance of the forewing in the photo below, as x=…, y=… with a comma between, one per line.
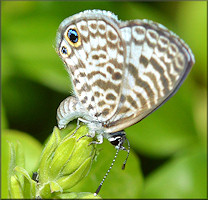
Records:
x=157, y=62
x=96, y=66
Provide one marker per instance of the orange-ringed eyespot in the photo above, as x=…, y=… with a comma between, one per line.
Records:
x=73, y=35
x=64, y=50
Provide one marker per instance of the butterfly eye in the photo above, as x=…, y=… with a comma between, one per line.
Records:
x=73, y=35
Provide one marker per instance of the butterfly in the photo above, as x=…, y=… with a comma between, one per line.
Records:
x=121, y=72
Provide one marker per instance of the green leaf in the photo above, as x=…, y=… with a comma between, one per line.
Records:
x=29, y=145
x=200, y=114
x=87, y=195
x=4, y=123
x=5, y=169
x=183, y=177
x=80, y=195
x=197, y=40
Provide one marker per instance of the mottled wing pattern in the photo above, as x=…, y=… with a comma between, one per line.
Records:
x=97, y=64
x=157, y=62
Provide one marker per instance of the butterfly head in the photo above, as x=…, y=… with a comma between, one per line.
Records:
x=117, y=139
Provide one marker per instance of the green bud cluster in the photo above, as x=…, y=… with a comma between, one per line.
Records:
x=64, y=162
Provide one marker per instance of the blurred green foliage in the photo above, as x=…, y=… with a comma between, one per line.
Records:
x=171, y=142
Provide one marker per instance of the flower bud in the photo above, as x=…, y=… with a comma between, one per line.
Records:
x=66, y=161
x=61, y=156
x=47, y=155
x=28, y=185
x=15, y=188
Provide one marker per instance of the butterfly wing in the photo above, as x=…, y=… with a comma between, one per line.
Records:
x=157, y=62
x=96, y=63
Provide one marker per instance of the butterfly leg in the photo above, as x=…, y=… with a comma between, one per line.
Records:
x=91, y=135
x=99, y=140
x=85, y=136
x=78, y=126
x=69, y=109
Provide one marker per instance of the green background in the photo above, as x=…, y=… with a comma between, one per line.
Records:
x=168, y=157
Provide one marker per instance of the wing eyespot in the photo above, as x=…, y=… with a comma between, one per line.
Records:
x=73, y=37
x=64, y=51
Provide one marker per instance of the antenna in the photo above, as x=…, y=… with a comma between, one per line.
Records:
x=117, y=140
x=128, y=151
x=97, y=191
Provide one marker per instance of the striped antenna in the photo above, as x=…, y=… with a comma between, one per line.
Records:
x=97, y=191
x=128, y=151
